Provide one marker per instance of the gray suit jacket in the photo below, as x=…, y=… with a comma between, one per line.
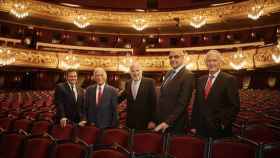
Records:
x=103, y=115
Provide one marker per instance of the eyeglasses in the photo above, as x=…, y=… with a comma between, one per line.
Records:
x=174, y=56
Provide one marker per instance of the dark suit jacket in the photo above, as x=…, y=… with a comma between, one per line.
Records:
x=174, y=98
x=213, y=117
x=141, y=110
x=66, y=105
x=103, y=115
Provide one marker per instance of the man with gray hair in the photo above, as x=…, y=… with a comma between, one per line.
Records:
x=217, y=100
x=101, y=101
x=141, y=100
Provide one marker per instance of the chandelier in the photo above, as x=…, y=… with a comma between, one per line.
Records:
x=139, y=24
x=238, y=60
x=276, y=56
x=255, y=12
x=81, y=21
x=6, y=57
x=20, y=10
x=70, y=62
x=198, y=21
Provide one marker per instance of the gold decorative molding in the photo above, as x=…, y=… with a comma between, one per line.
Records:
x=154, y=19
x=255, y=58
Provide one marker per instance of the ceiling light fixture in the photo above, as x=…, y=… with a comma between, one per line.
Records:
x=198, y=21
x=81, y=21
x=20, y=10
x=139, y=24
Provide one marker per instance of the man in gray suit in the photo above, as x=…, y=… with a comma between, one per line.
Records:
x=101, y=102
x=175, y=95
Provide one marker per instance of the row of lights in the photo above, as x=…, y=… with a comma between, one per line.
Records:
x=20, y=10
x=70, y=61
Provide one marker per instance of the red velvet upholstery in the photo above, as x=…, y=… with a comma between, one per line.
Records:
x=70, y=150
x=5, y=123
x=261, y=133
x=115, y=135
x=40, y=127
x=23, y=124
x=109, y=153
x=60, y=133
x=10, y=145
x=230, y=148
x=187, y=146
x=88, y=134
x=37, y=147
x=147, y=142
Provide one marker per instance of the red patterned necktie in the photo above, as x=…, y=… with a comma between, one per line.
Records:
x=99, y=95
x=208, y=86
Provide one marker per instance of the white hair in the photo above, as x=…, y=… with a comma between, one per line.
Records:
x=99, y=69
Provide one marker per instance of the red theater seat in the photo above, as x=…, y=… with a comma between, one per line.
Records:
x=111, y=136
x=187, y=146
x=89, y=134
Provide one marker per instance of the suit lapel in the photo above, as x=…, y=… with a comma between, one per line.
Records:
x=70, y=92
x=140, y=89
x=215, y=84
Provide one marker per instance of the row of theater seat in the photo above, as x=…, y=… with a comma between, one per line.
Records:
x=116, y=143
x=257, y=106
x=33, y=112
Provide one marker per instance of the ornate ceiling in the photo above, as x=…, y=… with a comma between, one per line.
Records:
x=225, y=17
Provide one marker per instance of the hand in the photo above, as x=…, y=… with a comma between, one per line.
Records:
x=82, y=123
x=193, y=130
x=161, y=127
x=151, y=125
x=63, y=122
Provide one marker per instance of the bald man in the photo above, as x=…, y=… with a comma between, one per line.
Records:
x=101, y=102
x=141, y=100
x=217, y=100
x=175, y=95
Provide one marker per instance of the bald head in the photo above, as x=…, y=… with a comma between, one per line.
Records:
x=213, y=61
x=136, y=71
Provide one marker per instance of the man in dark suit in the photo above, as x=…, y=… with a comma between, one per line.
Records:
x=175, y=95
x=101, y=102
x=217, y=100
x=141, y=100
x=69, y=100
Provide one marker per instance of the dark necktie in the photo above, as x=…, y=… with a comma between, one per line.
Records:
x=168, y=78
x=99, y=95
x=208, y=86
x=73, y=91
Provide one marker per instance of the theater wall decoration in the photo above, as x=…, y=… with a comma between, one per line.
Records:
x=254, y=58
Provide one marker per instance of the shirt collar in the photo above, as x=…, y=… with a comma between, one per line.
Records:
x=102, y=86
x=178, y=68
x=215, y=74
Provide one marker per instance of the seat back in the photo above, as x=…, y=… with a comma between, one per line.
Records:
x=37, y=146
x=11, y=143
x=187, y=146
x=109, y=153
x=147, y=142
x=232, y=148
x=89, y=134
x=69, y=149
x=23, y=124
x=111, y=136
x=60, y=133
x=40, y=127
